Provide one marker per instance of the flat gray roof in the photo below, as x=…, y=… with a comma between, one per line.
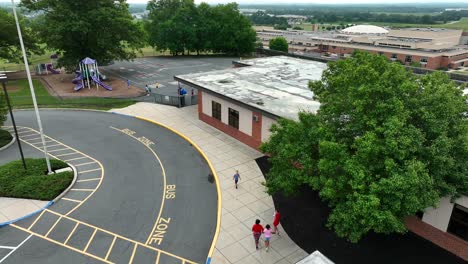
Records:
x=276, y=85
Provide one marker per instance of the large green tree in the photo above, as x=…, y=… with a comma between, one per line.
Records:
x=100, y=29
x=279, y=44
x=179, y=26
x=9, y=42
x=387, y=145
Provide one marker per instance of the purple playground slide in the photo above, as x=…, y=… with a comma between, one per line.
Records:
x=52, y=70
x=101, y=83
x=78, y=78
x=79, y=86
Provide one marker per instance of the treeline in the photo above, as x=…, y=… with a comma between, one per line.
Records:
x=332, y=17
x=181, y=26
x=262, y=18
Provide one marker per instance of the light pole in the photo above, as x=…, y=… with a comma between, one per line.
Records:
x=3, y=79
x=31, y=87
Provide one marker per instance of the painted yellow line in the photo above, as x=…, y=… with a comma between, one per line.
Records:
x=133, y=254
x=94, y=179
x=82, y=190
x=39, y=142
x=71, y=233
x=86, y=163
x=118, y=236
x=53, y=226
x=68, y=160
x=110, y=248
x=164, y=185
x=86, y=171
x=60, y=144
x=67, y=154
x=71, y=200
x=90, y=240
x=61, y=244
x=157, y=257
x=218, y=188
x=55, y=150
x=37, y=219
x=30, y=136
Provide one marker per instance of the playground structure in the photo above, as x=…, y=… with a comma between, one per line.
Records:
x=46, y=68
x=87, y=74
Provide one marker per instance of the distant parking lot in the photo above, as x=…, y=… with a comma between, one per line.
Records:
x=152, y=70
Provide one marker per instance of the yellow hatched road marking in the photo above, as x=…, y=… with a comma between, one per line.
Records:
x=71, y=233
x=119, y=236
x=37, y=219
x=86, y=171
x=110, y=248
x=82, y=164
x=29, y=136
x=61, y=244
x=60, y=144
x=50, y=230
x=79, y=152
x=55, y=150
x=94, y=179
x=90, y=240
x=82, y=190
x=67, y=154
x=133, y=254
x=75, y=159
x=71, y=200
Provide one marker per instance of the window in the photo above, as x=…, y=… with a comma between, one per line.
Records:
x=216, y=110
x=394, y=56
x=458, y=224
x=381, y=53
x=234, y=118
x=408, y=58
x=333, y=47
x=423, y=60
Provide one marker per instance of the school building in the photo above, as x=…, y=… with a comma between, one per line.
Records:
x=244, y=101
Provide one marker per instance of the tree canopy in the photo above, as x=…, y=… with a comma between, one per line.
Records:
x=180, y=26
x=384, y=145
x=101, y=29
x=279, y=44
x=10, y=48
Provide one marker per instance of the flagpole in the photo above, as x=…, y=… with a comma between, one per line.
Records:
x=31, y=87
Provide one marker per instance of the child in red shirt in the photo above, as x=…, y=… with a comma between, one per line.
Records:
x=276, y=221
x=257, y=230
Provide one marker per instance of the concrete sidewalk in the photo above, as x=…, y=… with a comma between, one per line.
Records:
x=12, y=209
x=240, y=207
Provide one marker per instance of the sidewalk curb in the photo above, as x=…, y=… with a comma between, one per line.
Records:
x=9, y=144
x=48, y=204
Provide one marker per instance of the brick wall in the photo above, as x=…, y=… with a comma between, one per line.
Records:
x=443, y=239
x=235, y=133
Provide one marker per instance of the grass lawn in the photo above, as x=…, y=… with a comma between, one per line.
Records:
x=34, y=183
x=21, y=98
x=5, y=137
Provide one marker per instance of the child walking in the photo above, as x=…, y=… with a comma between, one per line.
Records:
x=257, y=230
x=276, y=221
x=267, y=232
x=236, y=178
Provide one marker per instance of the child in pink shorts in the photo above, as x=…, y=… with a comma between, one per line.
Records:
x=267, y=232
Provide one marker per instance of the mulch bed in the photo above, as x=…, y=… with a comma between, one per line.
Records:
x=304, y=218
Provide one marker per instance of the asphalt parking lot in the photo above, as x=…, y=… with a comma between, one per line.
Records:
x=152, y=70
x=142, y=194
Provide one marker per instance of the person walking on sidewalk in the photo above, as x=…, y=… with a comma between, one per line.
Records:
x=257, y=230
x=276, y=221
x=236, y=178
x=267, y=232
x=128, y=83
